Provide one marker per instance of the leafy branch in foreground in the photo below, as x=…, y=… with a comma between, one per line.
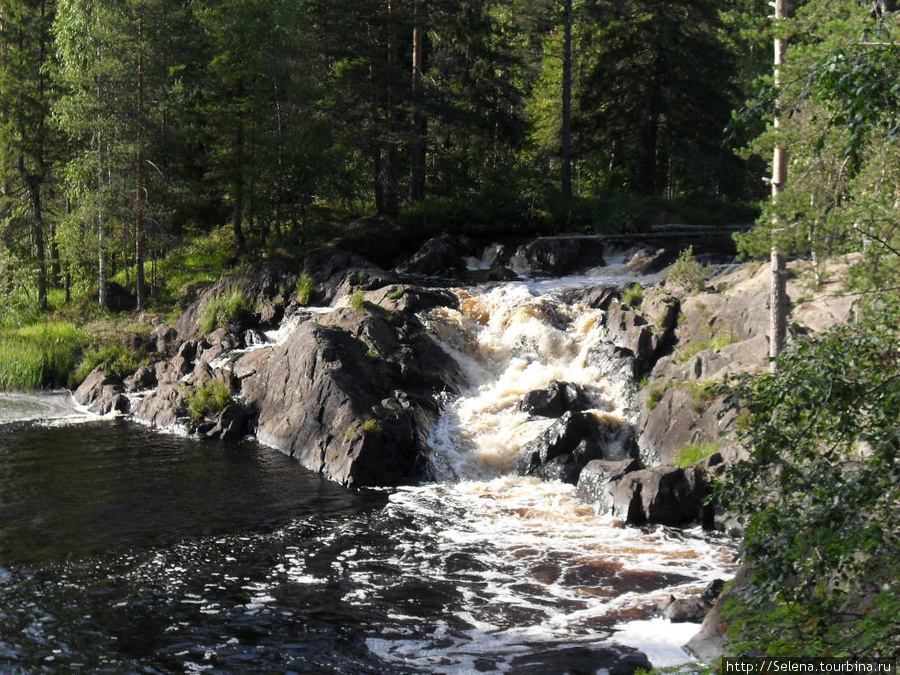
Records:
x=821, y=494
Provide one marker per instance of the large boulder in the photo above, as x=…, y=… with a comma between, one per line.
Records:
x=554, y=400
x=578, y=437
x=554, y=256
x=102, y=393
x=667, y=495
x=443, y=256
x=350, y=395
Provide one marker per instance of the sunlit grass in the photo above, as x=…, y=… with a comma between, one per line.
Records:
x=39, y=355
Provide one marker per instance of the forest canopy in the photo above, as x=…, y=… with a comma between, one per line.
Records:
x=127, y=128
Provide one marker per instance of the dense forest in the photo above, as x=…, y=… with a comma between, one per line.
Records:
x=130, y=127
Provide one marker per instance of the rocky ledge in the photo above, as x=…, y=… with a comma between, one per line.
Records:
x=352, y=390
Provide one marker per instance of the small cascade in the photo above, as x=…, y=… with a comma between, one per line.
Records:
x=509, y=342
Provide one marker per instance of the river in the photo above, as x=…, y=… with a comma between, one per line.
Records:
x=128, y=550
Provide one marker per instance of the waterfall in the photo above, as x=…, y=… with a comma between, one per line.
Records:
x=510, y=341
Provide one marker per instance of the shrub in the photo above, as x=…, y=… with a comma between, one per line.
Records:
x=686, y=273
x=117, y=359
x=305, y=287
x=820, y=496
x=692, y=453
x=232, y=306
x=207, y=399
x=358, y=301
x=634, y=295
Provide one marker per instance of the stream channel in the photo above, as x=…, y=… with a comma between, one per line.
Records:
x=125, y=549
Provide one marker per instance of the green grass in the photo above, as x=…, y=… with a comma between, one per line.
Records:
x=714, y=343
x=39, y=355
x=305, y=287
x=692, y=453
x=358, y=301
x=232, y=306
x=634, y=295
x=207, y=400
x=117, y=360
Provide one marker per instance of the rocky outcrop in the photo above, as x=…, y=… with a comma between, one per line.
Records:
x=556, y=256
x=554, y=400
x=692, y=609
x=573, y=440
x=350, y=395
x=102, y=394
x=666, y=495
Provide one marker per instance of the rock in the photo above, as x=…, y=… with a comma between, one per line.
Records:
x=441, y=256
x=630, y=664
x=711, y=642
x=648, y=260
x=350, y=395
x=562, y=468
x=163, y=338
x=646, y=333
x=102, y=394
x=684, y=415
x=337, y=273
x=230, y=424
x=554, y=399
x=666, y=495
x=686, y=610
x=554, y=256
x=142, y=379
x=584, y=436
x=163, y=408
x=597, y=478
x=264, y=287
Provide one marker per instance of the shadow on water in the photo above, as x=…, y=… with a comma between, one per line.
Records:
x=96, y=487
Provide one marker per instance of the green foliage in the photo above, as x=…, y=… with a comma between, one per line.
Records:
x=820, y=495
x=117, y=359
x=305, y=287
x=634, y=295
x=397, y=293
x=687, y=273
x=716, y=341
x=692, y=453
x=207, y=400
x=368, y=424
x=358, y=301
x=230, y=307
x=38, y=355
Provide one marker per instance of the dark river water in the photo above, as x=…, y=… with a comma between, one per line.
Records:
x=124, y=550
x=127, y=550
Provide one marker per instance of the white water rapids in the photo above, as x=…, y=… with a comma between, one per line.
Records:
x=554, y=572
x=478, y=571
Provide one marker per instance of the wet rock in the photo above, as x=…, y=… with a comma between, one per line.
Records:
x=142, y=379
x=230, y=424
x=554, y=400
x=711, y=642
x=164, y=407
x=554, y=256
x=666, y=495
x=597, y=479
x=584, y=436
x=563, y=468
x=441, y=256
x=102, y=393
x=350, y=395
x=630, y=664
